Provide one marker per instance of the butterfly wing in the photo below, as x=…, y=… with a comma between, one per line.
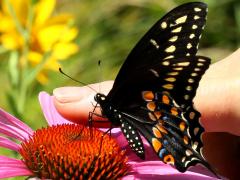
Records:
x=174, y=134
x=173, y=37
x=154, y=89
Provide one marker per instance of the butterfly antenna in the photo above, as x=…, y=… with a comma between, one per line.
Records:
x=61, y=71
x=100, y=73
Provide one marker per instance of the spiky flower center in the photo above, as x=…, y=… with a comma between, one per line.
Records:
x=73, y=152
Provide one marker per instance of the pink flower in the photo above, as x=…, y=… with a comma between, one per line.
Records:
x=151, y=168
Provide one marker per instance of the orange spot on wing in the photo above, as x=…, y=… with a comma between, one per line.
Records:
x=161, y=129
x=185, y=139
x=169, y=159
x=182, y=126
x=174, y=111
x=151, y=106
x=151, y=116
x=165, y=99
x=156, y=144
x=147, y=95
x=157, y=114
x=156, y=132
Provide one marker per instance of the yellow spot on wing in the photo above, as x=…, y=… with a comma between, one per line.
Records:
x=193, y=74
x=154, y=43
x=201, y=60
x=169, y=57
x=183, y=64
x=164, y=25
x=181, y=19
x=196, y=9
x=186, y=97
x=165, y=63
x=192, y=36
x=196, y=17
x=194, y=26
x=170, y=79
x=168, y=86
x=177, y=30
x=171, y=48
x=157, y=145
x=195, y=145
x=189, y=45
x=189, y=88
x=173, y=39
x=178, y=68
x=190, y=80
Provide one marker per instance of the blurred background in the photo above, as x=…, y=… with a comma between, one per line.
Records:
x=37, y=37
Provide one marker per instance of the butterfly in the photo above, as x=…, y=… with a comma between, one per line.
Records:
x=153, y=92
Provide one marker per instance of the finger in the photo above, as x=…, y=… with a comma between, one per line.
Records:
x=75, y=103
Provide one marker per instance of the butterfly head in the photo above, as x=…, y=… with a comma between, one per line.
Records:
x=100, y=98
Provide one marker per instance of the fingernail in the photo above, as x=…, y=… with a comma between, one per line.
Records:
x=67, y=94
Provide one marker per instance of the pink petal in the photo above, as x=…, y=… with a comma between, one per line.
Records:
x=157, y=170
x=10, y=120
x=13, y=172
x=10, y=167
x=10, y=162
x=49, y=110
x=13, y=132
x=6, y=143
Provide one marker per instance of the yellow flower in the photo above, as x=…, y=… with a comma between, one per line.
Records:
x=32, y=25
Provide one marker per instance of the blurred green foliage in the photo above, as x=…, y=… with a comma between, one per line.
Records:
x=109, y=29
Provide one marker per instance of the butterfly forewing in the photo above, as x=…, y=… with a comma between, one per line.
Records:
x=177, y=34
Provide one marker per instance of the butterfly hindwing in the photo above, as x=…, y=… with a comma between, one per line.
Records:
x=162, y=123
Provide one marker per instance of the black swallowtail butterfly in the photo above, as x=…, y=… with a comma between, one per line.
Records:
x=153, y=93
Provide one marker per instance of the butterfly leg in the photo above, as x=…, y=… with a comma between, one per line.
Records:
x=109, y=130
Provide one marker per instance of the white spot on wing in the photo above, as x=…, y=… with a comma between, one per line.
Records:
x=170, y=49
x=173, y=39
x=154, y=43
x=164, y=25
x=194, y=26
x=154, y=72
x=191, y=36
x=196, y=9
x=181, y=19
x=177, y=30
